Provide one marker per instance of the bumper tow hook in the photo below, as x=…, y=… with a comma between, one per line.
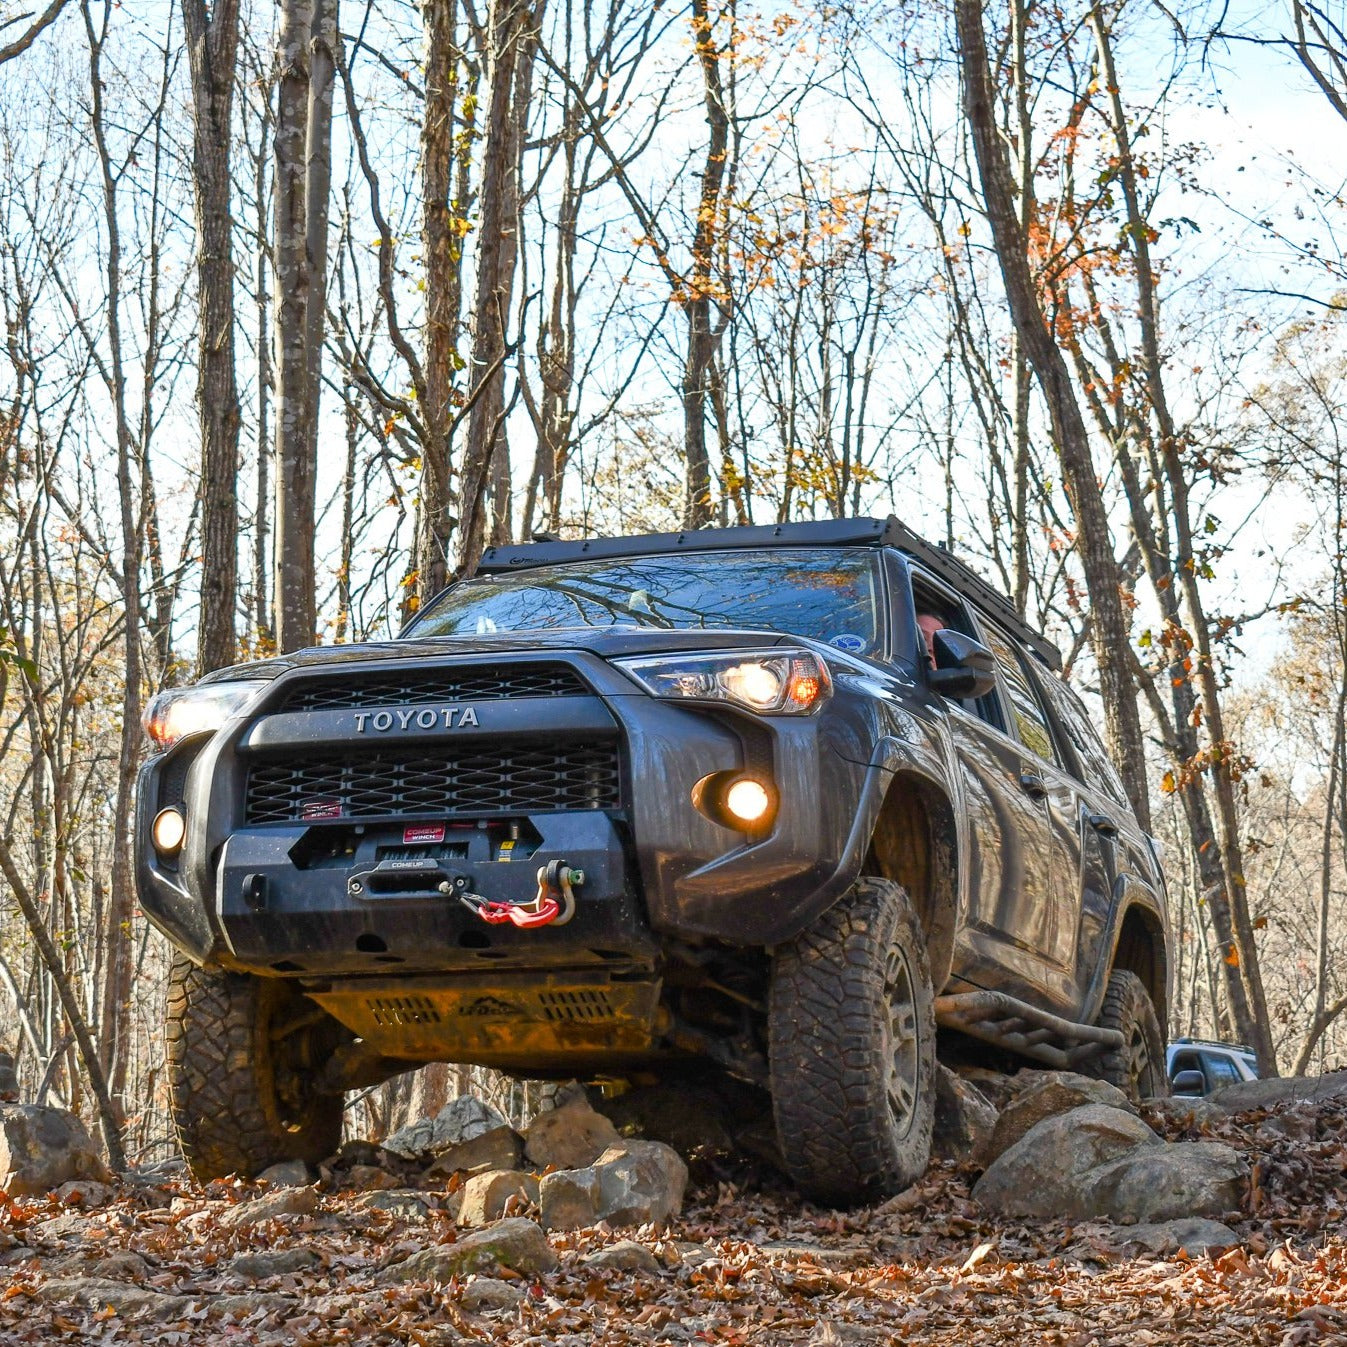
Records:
x=554, y=904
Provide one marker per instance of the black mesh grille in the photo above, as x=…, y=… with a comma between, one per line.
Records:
x=513, y=779
x=435, y=685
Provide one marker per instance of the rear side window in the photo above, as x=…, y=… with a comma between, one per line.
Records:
x=1221, y=1070
x=1095, y=764
x=1030, y=723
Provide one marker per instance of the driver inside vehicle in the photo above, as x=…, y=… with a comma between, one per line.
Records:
x=929, y=624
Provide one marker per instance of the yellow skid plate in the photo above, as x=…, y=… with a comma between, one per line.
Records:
x=499, y=1021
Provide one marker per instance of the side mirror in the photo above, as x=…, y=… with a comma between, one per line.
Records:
x=963, y=667
x=1189, y=1083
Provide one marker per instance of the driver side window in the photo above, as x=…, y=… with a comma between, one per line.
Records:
x=937, y=608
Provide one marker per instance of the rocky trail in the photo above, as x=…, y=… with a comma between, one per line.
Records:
x=1188, y=1222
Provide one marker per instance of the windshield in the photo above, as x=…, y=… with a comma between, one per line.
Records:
x=828, y=594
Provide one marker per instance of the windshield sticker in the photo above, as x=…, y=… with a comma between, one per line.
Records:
x=848, y=640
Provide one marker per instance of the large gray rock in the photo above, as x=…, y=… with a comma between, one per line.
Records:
x=964, y=1119
x=271, y=1206
x=255, y=1267
x=484, y=1196
x=624, y=1256
x=640, y=1181
x=568, y=1137
x=1049, y=1171
x=405, y=1204
x=1165, y=1183
x=98, y=1293
x=516, y=1243
x=1048, y=1094
x=1195, y=1235
x=86, y=1193
x=1250, y=1094
x=485, y=1294
x=137, y=1302
x=1100, y=1162
x=459, y=1120
x=42, y=1148
x=122, y=1264
x=287, y=1174
x=569, y=1199
x=631, y=1183
x=499, y=1148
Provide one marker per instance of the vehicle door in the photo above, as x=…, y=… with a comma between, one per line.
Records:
x=1050, y=928
x=1010, y=848
x=1101, y=809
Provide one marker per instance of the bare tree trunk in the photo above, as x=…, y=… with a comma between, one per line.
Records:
x=511, y=41
x=263, y=616
x=1025, y=164
x=317, y=192
x=212, y=33
x=307, y=47
x=553, y=416
x=115, y=1010
x=293, y=582
x=1244, y=950
x=443, y=292
x=1109, y=628
x=347, y=517
x=700, y=305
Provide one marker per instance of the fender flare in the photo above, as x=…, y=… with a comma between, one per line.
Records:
x=935, y=874
x=1135, y=912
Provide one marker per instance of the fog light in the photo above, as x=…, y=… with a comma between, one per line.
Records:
x=742, y=803
x=168, y=830
x=748, y=800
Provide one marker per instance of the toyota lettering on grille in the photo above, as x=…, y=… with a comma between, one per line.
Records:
x=427, y=718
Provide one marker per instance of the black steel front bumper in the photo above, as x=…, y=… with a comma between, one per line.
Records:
x=277, y=897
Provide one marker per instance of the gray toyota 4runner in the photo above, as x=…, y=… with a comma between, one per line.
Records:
x=784, y=799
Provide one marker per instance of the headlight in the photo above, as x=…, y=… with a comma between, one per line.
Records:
x=771, y=682
x=181, y=712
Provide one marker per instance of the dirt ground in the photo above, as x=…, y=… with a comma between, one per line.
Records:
x=747, y=1262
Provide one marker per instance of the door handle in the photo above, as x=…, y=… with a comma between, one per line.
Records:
x=1032, y=784
x=1102, y=824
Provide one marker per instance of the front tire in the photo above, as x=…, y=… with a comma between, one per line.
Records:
x=1138, y=1067
x=241, y=1088
x=851, y=1041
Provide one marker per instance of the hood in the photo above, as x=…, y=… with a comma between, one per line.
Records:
x=606, y=642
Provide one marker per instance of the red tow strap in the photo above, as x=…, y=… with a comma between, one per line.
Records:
x=497, y=914
x=555, y=901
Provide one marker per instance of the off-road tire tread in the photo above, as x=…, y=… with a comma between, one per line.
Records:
x=825, y=1028
x=216, y=1079
x=1126, y=1001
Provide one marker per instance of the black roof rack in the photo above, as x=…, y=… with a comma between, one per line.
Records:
x=863, y=532
x=943, y=563
x=1187, y=1042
